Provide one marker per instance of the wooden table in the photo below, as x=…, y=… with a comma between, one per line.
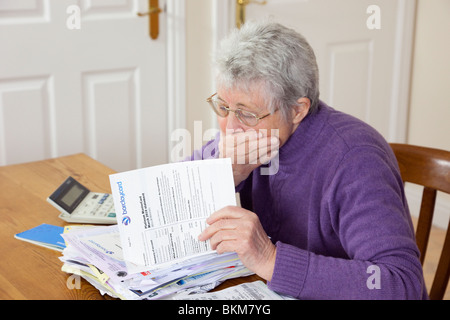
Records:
x=28, y=271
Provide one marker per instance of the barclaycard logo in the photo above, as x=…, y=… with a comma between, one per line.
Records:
x=126, y=219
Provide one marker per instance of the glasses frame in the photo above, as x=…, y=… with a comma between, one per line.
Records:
x=236, y=112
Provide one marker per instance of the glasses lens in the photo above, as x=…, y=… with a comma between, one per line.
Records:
x=247, y=118
x=219, y=108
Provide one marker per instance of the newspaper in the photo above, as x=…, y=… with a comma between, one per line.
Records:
x=161, y=210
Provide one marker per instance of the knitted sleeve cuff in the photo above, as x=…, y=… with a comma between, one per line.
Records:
x=291, y=265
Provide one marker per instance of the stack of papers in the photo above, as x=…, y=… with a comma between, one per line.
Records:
x=95, y=254
x=256, y=290
x=153, y=252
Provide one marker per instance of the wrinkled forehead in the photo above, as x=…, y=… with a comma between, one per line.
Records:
x=253, y=96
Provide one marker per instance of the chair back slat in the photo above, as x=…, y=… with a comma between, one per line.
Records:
x=440, y=281
x=430, y=168
x=425, y=220
x=425, y=166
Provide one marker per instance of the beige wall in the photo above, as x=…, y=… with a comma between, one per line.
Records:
x=429, y=121
x=429, y=114
x=198, y=68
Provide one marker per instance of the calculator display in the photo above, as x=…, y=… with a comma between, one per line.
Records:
x=77, y=204
x=72, y=195
x=69, y=195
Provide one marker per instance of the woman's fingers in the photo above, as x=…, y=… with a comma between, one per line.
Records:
x=249, y=147
x=234, y=229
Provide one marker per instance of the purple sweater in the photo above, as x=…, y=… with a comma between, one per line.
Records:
x=337, y=212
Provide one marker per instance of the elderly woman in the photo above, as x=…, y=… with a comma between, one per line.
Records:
x=330, y=220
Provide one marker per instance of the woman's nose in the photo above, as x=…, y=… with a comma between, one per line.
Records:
x=233, y=122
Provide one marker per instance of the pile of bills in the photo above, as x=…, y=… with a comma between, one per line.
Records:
x=153, y=252
x=95, y=254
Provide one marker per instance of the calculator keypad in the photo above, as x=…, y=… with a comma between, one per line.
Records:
x=97, y=205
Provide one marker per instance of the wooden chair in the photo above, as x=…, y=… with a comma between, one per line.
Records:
x=431, y=169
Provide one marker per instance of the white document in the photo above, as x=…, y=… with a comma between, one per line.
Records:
x=99, y=246
x=161, y=210
x=257, y=290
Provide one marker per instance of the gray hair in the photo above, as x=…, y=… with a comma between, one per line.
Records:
x=271, y=54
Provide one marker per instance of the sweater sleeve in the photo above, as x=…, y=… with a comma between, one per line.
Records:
x=367, y=209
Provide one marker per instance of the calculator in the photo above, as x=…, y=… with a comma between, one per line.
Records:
x=78, y=204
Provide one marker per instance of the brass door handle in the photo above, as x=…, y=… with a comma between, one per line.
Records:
x=153, y=13
x=240, y=10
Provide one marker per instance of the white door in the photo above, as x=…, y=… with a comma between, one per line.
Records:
x=97, y=84
x=363, y=52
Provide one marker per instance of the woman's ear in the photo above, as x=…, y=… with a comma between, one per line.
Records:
x=301, y=110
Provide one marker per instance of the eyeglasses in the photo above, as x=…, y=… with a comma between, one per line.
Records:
x=222, y=110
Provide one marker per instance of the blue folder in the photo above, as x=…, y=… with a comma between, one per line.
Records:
x=45, y=235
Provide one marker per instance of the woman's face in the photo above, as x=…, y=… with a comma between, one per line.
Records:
x=254, y=102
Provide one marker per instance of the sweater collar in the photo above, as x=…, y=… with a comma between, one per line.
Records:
x=305, y=133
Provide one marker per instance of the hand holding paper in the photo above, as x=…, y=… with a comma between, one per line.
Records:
x=234, y=229
x=161, y=210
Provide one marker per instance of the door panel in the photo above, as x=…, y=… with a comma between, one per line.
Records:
x=110, y=103
x=25, y=11
x=100, y=89
x=358, y=54
x=363, y=71
x=25, y=119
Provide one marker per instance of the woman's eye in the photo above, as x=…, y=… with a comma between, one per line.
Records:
x=247, y=115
